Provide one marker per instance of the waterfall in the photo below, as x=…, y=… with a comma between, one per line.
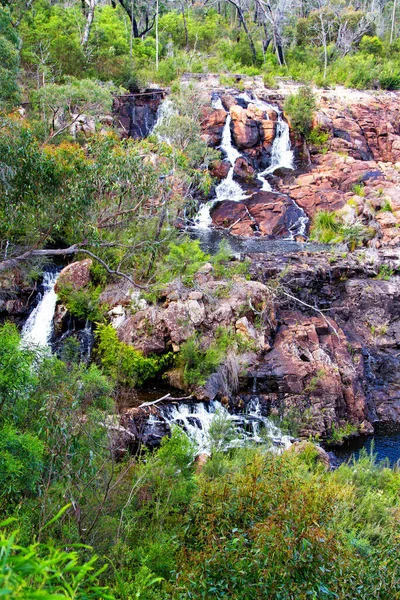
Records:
x=197, y=420
x=228, y=189
x=281, y=153
x=165, y=111
x=281, y=157
x=216, y=102
x=39, y=325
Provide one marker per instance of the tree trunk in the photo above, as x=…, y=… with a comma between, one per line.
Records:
x=242, y=21
x=185, y=27
x=89, y=21
x=393, y=21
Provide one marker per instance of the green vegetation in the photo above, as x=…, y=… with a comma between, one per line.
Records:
x=339, y=434
x=123, y=363
x=385, y=272
x=165, y=529
x=300, y=107
x=85, y=511
x=329, y=228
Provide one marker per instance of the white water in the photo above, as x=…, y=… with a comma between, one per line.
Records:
x=281, y=157
x=165, y=111
x=228, y=189
x=197, y=420
x=39, y=325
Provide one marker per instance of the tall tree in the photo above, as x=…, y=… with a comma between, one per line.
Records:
x=9, y=59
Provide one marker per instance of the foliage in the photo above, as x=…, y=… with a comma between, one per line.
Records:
x=328, y=228
x=17, y=377
x=9, y=60
x=123, y=363
x=21, y=462
x=46, y=571
x=385, y=272
x=300, y=108
x=339, y=434
x=82, y=303
x=199, y=362
x=318, y=139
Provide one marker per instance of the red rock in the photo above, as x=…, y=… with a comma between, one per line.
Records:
x=219, y=168
x=212, y=124
x=246, y=133
x=243, y=169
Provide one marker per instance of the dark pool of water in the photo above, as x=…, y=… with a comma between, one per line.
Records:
x=384, y=444
x=210, y=240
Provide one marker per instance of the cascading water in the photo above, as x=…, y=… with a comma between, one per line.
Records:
x=281, y=157
x=165, y=112
x=228, y=189
x=199, y=419
x=38, y=328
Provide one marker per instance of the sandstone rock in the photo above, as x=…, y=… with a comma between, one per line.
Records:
x=245, y=130
x=75, y=275
x=243, y=169
x=59, y=318
x=212, y=125
x=219, y=168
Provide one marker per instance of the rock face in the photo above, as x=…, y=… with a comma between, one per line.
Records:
x=320, y=369
x=75, y=275
x=341, y=365
x=265, y=213
x=136, y=114
x=360, y=161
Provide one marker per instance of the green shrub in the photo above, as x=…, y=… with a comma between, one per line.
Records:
x=319, y=139
x=21, y=462
x=47, y=572
x=300, y=108
x=82, y=304
x=385, y=272
x=328, y=228
x=371, y=45
x=123, y=363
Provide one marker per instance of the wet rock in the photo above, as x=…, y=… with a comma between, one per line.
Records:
x=219, y=168
x=243, y=169
x=245, y=130
x=268, y=214
x=60, y=318
x=136, y=114
x=75, y=275
x=212, y=124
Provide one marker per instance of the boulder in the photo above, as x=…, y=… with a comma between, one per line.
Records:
x=75, y=275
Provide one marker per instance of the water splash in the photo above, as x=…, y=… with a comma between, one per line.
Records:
x=165, y=111
x=228, y=189
x=216, y=102
x=197, y=420
x=38, y=328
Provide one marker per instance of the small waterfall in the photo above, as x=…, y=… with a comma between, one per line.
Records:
x=281, y=157
x=228, y=189
x=38, y=328
x=281, y=153
x=216, y=102
x=197, y=420
x=165, y=111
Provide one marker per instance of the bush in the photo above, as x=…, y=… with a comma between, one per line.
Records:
x=371, y=45
x=300, y=108
x=328, y=228
x=21, y=462
x=47, y=572
x=123, y=363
